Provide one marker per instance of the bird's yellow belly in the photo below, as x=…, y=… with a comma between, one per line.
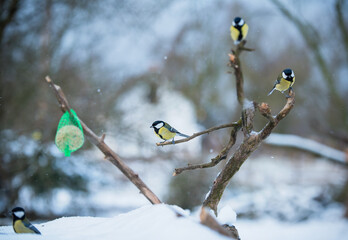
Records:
x=284, y=85
x=165, y=134
x=234, y=33
x=20, y=228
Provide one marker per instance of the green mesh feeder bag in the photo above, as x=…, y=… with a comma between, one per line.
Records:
x=69, y=136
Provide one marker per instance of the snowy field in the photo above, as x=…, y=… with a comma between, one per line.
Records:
x=161, y=222
x=149, y=222
x=274, y=230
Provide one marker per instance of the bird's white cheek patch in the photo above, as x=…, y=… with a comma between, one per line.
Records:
x=241, y=22
x=159, y=125
x=19, y=214
x=292, y=74
x=284, y=75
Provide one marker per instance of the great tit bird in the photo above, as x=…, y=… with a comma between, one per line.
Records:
x=284, y=81
x=239, y=30
x=20, y=223
x=165, y=131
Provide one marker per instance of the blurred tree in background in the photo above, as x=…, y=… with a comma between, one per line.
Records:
x=32, y=36
x=328, y=47
x=32, y=46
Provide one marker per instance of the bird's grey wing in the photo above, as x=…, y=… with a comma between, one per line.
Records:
x=170, y=128
x=173, y=130
x=177, y=132
x=278, y=79
x=31, y=226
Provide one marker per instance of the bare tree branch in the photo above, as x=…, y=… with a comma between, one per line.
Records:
x=250, y=143
x=235, y=64
x=248, y=115
x=221, y=156
x=252, y=140
x=209, y=221
x=266, y=131
x=109, y=153
x=228, y=125
x=265, y=111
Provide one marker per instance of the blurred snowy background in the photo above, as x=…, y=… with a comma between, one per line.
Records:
x=124, y=64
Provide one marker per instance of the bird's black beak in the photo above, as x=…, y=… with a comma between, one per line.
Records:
x=151, y=126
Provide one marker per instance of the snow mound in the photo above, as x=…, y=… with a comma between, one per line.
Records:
x=227, y=215
x=148, y=222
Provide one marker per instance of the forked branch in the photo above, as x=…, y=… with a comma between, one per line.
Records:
x=252, y=140
x=248, y=146
x=221, y=156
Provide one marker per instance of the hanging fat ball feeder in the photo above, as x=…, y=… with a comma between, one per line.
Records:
x=69, y=136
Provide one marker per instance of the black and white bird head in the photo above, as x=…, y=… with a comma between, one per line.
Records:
x=157, y=125
x=288, y=74
x=18, y=213
x=238, y=22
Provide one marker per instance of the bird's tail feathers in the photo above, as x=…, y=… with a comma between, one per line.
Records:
x=183, y=135
x=271, y=91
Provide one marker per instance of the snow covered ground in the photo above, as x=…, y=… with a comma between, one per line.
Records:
x=149, y=222
x=161, y=222
x=269, y=229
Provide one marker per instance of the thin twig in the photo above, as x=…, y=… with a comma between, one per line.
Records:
x=210, y=164
x=246, y=49
x=109, y=153
x=228, y=125
x=221, y=156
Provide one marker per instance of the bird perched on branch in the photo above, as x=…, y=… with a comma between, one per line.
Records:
x=165, y=131
x=284, y=81
x=20, y=223
x=239, y=30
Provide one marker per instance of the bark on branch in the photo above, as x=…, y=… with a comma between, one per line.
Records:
x=103, y=147
x=252, y=140
x=209, y=221
x=250, y=143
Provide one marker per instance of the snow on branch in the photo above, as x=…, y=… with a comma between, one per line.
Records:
x=252, y=139
x=289, y=140
x=211, y=222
